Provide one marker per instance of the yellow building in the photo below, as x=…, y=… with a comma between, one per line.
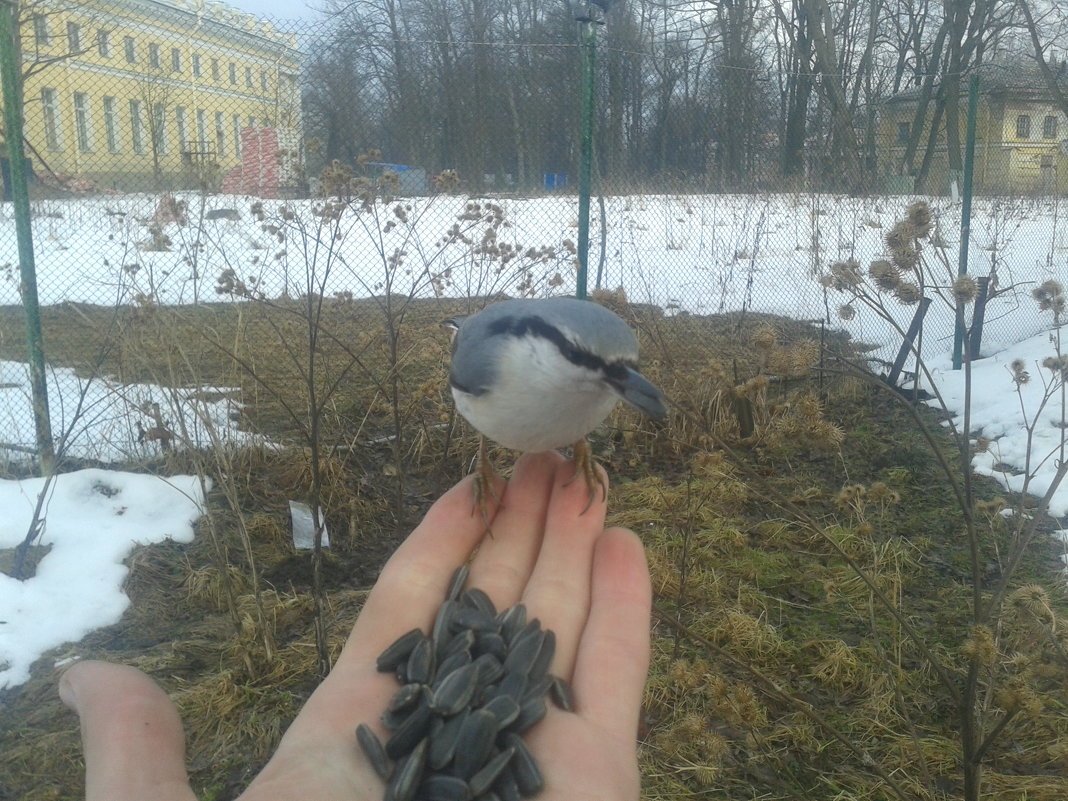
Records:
x=1021, y=138
x=152, y=94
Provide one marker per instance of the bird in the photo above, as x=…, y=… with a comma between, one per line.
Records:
x=540, y=374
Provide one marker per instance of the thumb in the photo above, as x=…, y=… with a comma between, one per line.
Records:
x=131, y=734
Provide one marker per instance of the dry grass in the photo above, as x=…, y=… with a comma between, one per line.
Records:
x=778, y=623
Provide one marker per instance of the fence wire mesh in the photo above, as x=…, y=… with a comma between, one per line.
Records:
x=202, y=178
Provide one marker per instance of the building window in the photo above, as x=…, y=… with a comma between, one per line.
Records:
x=215, y=69
x=181, y=121
x=176, y=60
x=220, y=133
x=42, y=33
x=1049, y=127
x=103, y=43
x=202, y=128
x=81, y=122
x=233, y=73
x=111, y=124
x=159, y=128
x=130, y=49
x=153, y=55
x=74, y=37
x=248, y=77
x=50, y=107
x=263, y=80
x=137, y=127
x=1023, y=127
x=903, y=130
x=196, y=65
x=237, y=135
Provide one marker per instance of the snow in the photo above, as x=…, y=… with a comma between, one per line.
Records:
x=93, y=519
x=698, y=254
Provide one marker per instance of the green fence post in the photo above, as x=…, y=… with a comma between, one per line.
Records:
x=11, y=84
x=588, y=34
x=966, y=216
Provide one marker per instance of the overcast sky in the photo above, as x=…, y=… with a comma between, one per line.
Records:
x=278, y=9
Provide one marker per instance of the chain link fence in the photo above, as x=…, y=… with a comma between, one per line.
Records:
x=194, y=168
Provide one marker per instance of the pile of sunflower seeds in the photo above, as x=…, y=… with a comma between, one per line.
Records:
x=468, y=692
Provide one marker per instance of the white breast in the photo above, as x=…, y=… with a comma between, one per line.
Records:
x=540, y=401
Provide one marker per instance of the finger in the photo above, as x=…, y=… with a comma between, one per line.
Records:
x=613, y=658
x=505, y=560
x=131, y=734
x=559, y=588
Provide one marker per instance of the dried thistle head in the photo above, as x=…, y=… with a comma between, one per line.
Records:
x=1033, y=600
x=981, y=646
x=919, y=216
x=764, y=338
x=1050, y=296
x=884, y=274
x=1019, y=372
x=905, y=257
x=965, y=290
x=901, y=235
x=881, y=494
x=851, y=496
x=1056, y=364
x=907, y=293
x=847, y=312
x=846, y=274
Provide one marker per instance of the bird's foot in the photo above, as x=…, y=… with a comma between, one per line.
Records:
x=485, y=488
x=586, y=466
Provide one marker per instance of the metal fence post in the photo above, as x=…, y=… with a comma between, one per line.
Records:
x=588, y=33
x=966, y=214
x=12, y=91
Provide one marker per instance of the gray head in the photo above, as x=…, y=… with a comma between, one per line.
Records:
x=584, y=333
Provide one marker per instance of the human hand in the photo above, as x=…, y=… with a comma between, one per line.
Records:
x=588, y=584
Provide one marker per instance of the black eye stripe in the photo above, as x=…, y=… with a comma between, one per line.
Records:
x=536, y=326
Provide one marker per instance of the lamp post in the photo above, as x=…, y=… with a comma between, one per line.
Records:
x=588, y=20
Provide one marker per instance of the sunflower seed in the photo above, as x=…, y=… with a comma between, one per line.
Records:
x=441, y=631
x=504, y=709
x=413, y=729
x=529, y=713
x=543, y=661
x=456, y=585
x=513, y=685
x=560, y=692
x=523, y=652
x=477, y=599
x=409, y=772
x=489, y=669
x=373, y=750
x=512, y=621
x=405, y=698
x=475, y=743
x=440, y=787
x=443, y=741
x=421, y=662
x=455, y=690
x=506, y=787
x=475, y=619
x=449, y=665
x=524, y=768
x=536, y=688
x=483, y=780
x=398, y=652
x=490, y=642
x=460, y=642
x=490, y=796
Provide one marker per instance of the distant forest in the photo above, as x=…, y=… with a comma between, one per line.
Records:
x=735, y=94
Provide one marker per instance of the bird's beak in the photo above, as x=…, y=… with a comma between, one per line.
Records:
x=639, y=392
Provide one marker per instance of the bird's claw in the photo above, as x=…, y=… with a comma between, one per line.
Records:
x=484, y=486
x=586, y=466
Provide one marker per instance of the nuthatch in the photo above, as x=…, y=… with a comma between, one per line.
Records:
x=535, y=375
